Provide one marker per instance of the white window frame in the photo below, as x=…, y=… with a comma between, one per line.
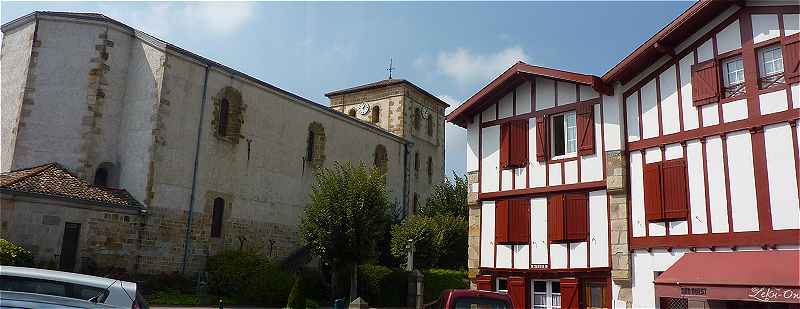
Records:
x=549, y=295
x=567, y=153
x=762, y=64
x=497, y=285
x=739, y=71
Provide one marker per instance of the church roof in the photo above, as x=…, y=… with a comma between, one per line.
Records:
x=384, y=83
x=52, y=180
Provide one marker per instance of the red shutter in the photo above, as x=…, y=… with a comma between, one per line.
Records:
x=519, y=218
x=516, y=289
x=484, y=283
x=577, y=211
x=791, y=58
x=652, y=192
x=585, y=118
x=555, y=217
x=505, y=144
x=541, y=138
x=675, y=182
x=569, y=293
x=519, y=143
x=501, y=222
x=705, y=82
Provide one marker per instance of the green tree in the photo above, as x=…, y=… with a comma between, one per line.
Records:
x=346, y=217
x=439, y=230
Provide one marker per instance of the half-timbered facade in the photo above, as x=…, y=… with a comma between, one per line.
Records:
x=620, y=190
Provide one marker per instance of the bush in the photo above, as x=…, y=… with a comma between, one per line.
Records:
x=173, y=297
x=440, y=241
x=438, y=280
x=14, y=255
x=297, y=299
x=381, y=286
x=247, y=277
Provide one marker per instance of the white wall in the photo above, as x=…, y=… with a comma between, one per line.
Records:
x=487, y=234
x=783, y=194
x=490, y=161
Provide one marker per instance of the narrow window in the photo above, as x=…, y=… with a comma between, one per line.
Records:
x=430, y=170
x=416, y=118
x=101, y=177
x=502, y=285
x=222, y=126
x=770, y=65
x=416, y=161
x=733, y=76
x=376, y=114
x=381, y=158
x=430, y=125
x=564, y=134
x=352, y=112
x=310, y=145
x=216, y=217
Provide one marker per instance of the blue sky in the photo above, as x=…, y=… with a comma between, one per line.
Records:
x=451, y=49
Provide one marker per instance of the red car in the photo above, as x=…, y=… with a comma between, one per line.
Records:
x=471, y=299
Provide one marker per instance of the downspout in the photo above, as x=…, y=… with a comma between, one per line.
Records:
x=187, y=244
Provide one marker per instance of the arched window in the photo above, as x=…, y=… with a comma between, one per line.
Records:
x=224, y=111
x=101, y=177
x=376, y=114
x=216, y=217
x=430, y=169
x=352, y=112
x=430, y=125
x=315, y=144
x=381, y=158
x=416, y=161
x=417, y=115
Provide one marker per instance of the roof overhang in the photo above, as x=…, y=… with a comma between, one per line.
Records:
x=664, y=41
x=513, y=77
x=764, y=276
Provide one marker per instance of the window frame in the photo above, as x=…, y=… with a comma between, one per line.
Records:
x=565, y=142
x=773, y=79
x=549, y=294
x=497, y=285
x=728, y=89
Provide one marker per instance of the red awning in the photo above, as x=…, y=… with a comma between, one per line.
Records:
x=767, y=276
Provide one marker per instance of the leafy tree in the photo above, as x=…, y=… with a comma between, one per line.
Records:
x=439, y=230
x=346, y=217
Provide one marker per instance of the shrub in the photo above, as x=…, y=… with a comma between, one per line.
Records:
x=173, y=297
x=440, y=241
x=247, y=277
x=381, y=286
x=438, y=280
x=12, y=254
x=297, y=299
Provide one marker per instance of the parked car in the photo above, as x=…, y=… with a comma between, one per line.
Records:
x=471, y=299
x=42, y=288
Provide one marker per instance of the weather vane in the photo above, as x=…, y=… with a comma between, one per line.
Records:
x=390, y=68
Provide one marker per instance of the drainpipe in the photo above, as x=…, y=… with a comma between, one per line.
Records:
x=187, y=241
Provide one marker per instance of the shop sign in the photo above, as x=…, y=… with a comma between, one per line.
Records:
x=773, y=294
x=689, y=291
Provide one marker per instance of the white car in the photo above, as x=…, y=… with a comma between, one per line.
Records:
x=23, y=287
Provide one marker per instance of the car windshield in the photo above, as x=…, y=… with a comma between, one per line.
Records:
x=49, y=287
x=480, y=303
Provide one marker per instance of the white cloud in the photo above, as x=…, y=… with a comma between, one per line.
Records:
x=455, y=140
x=467, y=67
x=216, y=18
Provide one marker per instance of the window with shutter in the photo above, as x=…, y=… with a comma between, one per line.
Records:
x=505, y=144
x=576, y=208
x=585, y=117
x=652, y=192
x=484, y=282
x=675, y=190
x=519, y=143
x=569, y=293
x=555, y=217
x=516, y=289
x=501, y=222
x=542, y=145
x=791, y=58
x=519, y=218
x=705, y=83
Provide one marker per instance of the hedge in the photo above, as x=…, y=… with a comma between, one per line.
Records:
x=438, y=280
x=381, y=286
x=247, y=277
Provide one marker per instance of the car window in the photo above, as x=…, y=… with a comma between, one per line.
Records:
x=49, y=287
x=479, y=303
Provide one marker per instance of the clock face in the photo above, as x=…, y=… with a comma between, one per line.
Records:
x=363, y=108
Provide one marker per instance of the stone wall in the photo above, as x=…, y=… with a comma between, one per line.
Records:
x=474, y=234
x=616, y=183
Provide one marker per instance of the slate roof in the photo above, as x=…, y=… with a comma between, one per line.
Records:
x=54, y=181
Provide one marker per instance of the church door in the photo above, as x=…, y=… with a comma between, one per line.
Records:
x=69, y=246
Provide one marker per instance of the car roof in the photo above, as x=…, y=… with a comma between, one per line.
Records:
x=34, y=300
x=61, y=276
x=478, y=293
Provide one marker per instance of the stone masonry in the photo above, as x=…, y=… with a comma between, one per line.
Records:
x=620, y=254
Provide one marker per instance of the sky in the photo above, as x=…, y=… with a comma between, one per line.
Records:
x=450, y=49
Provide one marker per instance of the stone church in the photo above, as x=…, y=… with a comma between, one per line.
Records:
x=119, y=149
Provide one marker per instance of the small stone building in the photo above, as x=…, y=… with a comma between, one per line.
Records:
x=217, y=158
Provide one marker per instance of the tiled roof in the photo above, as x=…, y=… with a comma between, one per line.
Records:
x=53, y=180
x=383, y=83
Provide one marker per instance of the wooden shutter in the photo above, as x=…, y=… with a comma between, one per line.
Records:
x=555, y=217
x=516, y=289
x=585, y=121
x=541, y=138
x=484, y=283
x=569, y=293
x=520, y=218
x=505, y=144
x=675, y=185
x=501, y=222
x=576, y=208
x=519, y=143
x=705, y=82
x=791, y=58
x=652, y=192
